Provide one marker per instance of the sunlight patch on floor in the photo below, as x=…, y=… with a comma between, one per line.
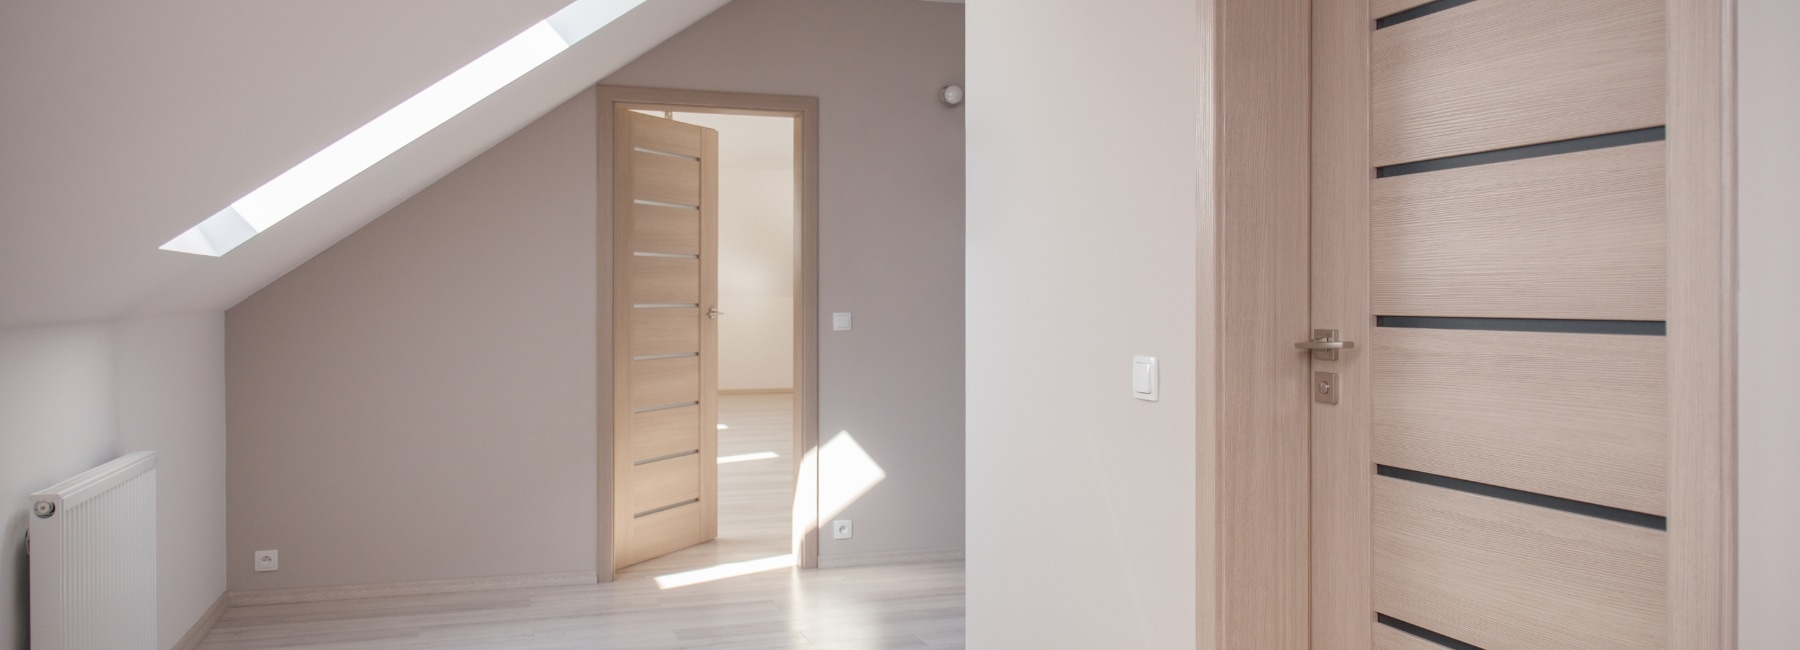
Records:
x=724, y=571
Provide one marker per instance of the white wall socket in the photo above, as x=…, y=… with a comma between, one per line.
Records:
x=268, y=560
x=840, y=529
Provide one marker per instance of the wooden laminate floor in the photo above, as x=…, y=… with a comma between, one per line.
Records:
x=898, y=606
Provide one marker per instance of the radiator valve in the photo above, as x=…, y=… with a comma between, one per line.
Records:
x=44, y=509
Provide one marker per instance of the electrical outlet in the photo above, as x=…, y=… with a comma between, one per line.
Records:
x=840, y=529
x=268, y=560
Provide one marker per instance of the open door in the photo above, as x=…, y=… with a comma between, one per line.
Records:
x=665, y=339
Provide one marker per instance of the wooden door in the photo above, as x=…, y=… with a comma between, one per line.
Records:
x=1511, y=225
x=665, y=337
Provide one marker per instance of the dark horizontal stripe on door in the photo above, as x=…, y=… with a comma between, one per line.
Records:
x=1428, y=635
x=1418, y=12
x=1564, y=326
x=1572, y=506
x=1590, y=143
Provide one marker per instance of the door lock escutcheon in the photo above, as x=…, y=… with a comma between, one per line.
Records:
x=1325, y=387
x=1325, y=345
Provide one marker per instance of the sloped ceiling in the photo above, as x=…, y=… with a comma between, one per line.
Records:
x=123, y=123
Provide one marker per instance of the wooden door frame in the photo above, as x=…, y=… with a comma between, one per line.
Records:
x=805, y=111
x=1702, y=322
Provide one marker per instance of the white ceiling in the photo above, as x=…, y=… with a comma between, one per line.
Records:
x=127, y=122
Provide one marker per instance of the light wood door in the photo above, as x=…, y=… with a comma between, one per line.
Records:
x=665, y=372
x=1502, y=194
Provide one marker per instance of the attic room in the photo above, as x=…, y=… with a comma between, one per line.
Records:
x=1052, y=278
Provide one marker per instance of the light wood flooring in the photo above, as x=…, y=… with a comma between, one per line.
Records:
x=897, y=606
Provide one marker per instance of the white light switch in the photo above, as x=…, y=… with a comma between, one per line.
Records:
x=1143, y=378
x=840, y=321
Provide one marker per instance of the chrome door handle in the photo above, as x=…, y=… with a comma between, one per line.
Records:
x=1324, y=345
x=714, y=313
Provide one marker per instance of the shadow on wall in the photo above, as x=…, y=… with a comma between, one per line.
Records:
x=21, y=563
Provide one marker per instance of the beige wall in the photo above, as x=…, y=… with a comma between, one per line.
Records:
x=890, y=229
x=418, y=401
x=75, y=396
x=1082, y=253
x=1769, y=306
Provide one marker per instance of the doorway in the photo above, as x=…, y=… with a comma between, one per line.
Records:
x=750, y=502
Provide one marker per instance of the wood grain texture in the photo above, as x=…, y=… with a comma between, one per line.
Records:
x=1387, y=638
x=665, y=179
x=914, y=607
x=1342, y=613
x=195, y=634
x=661, y=382
x=665, y=331
x=662, y=533
x=662, y=229
x=655, y=434
x=1702, y=325
x=1384, y=8
x=1504, y=73
x=247, y=602
x=709, y=335
x=1578, y=416
x=1499, y=574
x=665, y=482
x=1261, y=441
x=664, y=135
x=665, y=280
x=1579, y=235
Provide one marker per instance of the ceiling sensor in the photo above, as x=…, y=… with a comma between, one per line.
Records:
x=952, y=95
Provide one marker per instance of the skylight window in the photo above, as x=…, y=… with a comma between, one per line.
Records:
x=343, y=160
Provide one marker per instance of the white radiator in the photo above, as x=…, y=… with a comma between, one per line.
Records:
x=93, y=559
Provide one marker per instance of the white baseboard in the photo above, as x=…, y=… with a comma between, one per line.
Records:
x=892, y=557
x=419, y=588
x=192, y=639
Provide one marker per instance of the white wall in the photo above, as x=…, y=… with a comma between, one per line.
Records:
x=1082, y=243
x=56, y=420
x=1769, y=306
x=756, y=249
x=74, y=396
x=169, y=378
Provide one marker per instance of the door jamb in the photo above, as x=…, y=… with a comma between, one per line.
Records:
x=805, y=111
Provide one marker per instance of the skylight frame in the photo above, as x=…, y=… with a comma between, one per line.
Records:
x=401, y=125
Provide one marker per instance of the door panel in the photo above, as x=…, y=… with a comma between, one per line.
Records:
x=661, y=533
x=663, y=382
x=1493, y=74
x=1578, y=235
x=665, y=376
x=666, y=280
x=666, y=179
x=1508, y=464
x=663, y=229
x=1500, y=574
x=1578, y=416
x=665, y=432
x=669, y=482
x=661, y=332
